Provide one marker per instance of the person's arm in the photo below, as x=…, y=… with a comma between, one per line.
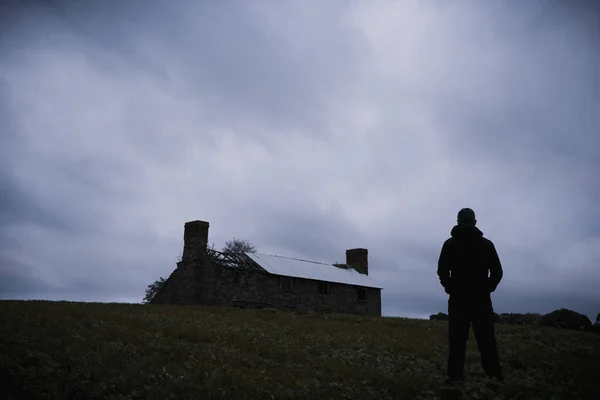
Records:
x=444, y=267
x=495, y=269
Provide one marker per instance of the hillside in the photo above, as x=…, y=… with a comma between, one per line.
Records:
x=55, y=350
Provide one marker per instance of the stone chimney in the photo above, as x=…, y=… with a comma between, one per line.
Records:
x=358, y=259
x=195, y=240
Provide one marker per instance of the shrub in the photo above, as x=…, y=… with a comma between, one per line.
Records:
x=520, y=319
x=439, y=317
x=566, y=319
x=594, y=328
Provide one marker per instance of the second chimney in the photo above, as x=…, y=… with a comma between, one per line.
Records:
x=358, y=259
x=195, y=240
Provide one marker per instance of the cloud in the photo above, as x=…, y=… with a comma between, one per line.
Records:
x=307, y=129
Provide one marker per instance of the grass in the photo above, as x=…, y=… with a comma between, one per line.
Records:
x=66, y=350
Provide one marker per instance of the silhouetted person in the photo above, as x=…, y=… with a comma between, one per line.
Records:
x=463, y=266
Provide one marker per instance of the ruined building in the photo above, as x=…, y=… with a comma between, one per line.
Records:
x=208, y=277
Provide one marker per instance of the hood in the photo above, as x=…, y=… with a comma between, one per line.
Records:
x=464, y=230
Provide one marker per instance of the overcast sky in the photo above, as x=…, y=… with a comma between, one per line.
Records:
x=306, y=127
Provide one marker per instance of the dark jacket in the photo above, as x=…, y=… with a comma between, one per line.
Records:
x=464, y=263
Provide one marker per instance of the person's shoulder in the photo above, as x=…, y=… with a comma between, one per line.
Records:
x=449, y=241
x=487, y=242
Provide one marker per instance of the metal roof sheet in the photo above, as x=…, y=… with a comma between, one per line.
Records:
x=297, y=268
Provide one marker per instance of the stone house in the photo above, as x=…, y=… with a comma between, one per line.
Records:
x=208, y=277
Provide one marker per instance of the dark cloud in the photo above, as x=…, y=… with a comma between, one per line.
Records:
x=325, y=234
x=18, y=279
x=303, y=127
x=256, y=59
x=17, y=206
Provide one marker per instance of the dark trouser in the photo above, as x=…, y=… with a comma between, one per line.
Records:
x=479, y=312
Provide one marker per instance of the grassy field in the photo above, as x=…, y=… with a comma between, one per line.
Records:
x=65, y=350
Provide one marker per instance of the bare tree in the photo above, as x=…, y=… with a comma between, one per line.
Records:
x=237, y=246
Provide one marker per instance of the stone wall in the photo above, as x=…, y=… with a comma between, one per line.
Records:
x=203, y=283
x=178, y=288
x=258, y=290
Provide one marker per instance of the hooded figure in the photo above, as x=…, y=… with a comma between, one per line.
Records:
x=469, y=270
